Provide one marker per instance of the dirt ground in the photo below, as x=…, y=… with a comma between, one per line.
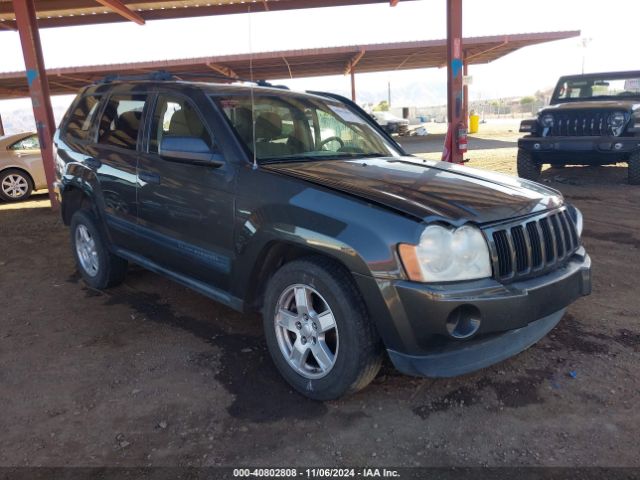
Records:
x=150, y=373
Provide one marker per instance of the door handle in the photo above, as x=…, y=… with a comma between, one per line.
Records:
x=149, y=177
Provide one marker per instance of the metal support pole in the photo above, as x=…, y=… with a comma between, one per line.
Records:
x=1, y=126
x=451, y=152
x=25, y=12
x=465, y=96
x=353, y=83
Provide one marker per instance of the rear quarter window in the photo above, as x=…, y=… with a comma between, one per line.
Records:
x=81, y=117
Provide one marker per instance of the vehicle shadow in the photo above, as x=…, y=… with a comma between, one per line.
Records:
x=586, y=175
x=36, y=200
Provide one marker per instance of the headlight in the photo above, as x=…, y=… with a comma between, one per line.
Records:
x=547, y=120
x=446, y=255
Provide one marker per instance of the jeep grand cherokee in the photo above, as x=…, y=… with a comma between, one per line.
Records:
x=300, y=206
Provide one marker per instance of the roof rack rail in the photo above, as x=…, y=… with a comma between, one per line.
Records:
x=163, y=75
x=158, y=75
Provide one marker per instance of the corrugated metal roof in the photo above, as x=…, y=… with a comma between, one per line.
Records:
x=292, y=63
x=60, y=13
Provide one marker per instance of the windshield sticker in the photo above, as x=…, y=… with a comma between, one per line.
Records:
x=346, y=114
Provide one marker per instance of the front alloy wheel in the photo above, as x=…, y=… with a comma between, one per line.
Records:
x=318, y=330
x=306, y=331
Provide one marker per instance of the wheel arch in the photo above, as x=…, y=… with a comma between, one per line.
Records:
x=272, y=256
x=74, y=198
x=20, y=169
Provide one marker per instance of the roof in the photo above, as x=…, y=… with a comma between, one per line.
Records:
x=291, y=63
x=63, y=13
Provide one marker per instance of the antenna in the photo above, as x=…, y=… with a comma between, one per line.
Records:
x=253, y=104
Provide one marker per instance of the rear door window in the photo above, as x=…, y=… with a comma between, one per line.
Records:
x=120, y=122
x=178, y=117
x=80, y=118
x=29, y=143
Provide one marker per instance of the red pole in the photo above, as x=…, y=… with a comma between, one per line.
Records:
x=451, y=151
x=1, y=126
x=465, y=96
x=25, y=12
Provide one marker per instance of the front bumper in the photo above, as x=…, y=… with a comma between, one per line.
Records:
x=513, y=317
x=580, y=150
x=476, y=354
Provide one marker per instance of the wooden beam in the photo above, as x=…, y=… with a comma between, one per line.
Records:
x=222, y=70
x=121, y=9
x=63, y=85
x=75, y=79
x=8, y=25
x=354, y=61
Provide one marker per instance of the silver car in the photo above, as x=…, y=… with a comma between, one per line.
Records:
x=21, y=168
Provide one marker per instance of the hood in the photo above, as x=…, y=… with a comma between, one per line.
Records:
x=428, y=190
x=629, y=105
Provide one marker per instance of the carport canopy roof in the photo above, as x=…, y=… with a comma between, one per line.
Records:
x=64, y=13
x=291, y=63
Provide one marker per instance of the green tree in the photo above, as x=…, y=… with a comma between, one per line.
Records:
x=527, y=100
x=383, y=106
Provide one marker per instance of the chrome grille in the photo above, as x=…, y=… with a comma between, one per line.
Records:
x=532, y=247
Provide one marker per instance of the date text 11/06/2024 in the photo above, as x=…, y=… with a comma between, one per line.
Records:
x=316, y=473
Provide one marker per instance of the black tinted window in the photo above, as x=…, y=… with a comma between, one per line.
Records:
x=80, y=118
x=120, y=121
x=176, y=116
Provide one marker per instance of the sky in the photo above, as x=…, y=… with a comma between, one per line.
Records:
x=609, y=27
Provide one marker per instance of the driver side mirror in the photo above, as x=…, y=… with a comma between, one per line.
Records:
x=191, y=150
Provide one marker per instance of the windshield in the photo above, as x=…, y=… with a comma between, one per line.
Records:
x=290, y=127
x=605, y=87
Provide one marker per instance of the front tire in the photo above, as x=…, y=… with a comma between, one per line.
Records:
x=633, y=169
x=318, y=331
x=15, y=185
x=527, y=167
x=98, y=267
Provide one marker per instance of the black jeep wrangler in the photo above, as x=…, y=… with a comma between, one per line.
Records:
x=299, y=205
x=592, y=119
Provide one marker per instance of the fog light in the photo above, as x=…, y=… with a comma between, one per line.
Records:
x=617, y=146
x=464, y=322
x=536, y=146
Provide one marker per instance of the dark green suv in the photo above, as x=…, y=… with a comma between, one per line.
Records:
x=300, y=206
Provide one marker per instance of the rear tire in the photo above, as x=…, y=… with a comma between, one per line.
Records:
x=98, y=266
x=633, y=169
x=15, y=185
x=305, y=299
x=527, y=167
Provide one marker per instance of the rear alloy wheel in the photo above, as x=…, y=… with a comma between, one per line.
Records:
x=318, y=331
x=527, y=167
x=15, y=185
x=98, y=266
x=633, y=169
